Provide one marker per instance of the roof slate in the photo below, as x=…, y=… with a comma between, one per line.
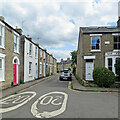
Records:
x=106, y=29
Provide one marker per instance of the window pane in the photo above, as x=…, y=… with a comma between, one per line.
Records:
x=115, y=46
x=0, y=63
x=110, y=64
x=119, y=46
x=116, y=70
x=95, y=43
x=119, y=39
x=115, y=38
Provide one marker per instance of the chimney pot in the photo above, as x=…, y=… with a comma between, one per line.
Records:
x=2, y=18
x=27, y=36
x=37, y=44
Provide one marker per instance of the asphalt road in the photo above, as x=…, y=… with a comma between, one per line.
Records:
x=52, y=98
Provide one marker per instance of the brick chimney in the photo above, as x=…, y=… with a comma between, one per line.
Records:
x=29, y=37
x=37, y=44
x=2, y=18
x=19, y=30
x=68, y=59
x=61, y=60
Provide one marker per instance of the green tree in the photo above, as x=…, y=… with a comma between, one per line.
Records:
x=74, y=57
x=74, y=61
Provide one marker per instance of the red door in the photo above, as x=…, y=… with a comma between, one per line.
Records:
x=15, y=74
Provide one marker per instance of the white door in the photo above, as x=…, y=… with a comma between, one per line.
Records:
x=44, y=69
x=89, y=71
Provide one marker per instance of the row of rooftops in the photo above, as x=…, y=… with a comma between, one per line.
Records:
x=68, y=61
x=19, y=31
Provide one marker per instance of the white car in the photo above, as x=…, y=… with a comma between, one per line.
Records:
x=65, y=75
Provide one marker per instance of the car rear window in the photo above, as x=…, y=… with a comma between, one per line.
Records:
x=65, y=71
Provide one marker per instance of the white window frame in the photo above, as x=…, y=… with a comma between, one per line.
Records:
x=95, y=35
x=36, y=51
x=17, y=42
x=40, y=53
x=2, y=57
x=44, y=55
x=30, y=49
x=40, y=67
x=2, y=35
x=113, y=41
x=113, y=62
x=30, y=68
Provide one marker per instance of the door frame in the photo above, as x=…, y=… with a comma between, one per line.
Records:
x=86, y=70
x=17, y=62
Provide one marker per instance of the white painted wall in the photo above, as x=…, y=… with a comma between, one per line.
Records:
x=27, y=59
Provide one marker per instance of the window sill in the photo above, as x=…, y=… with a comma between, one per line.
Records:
x=30, y=55
x=2, y=80
x=95, y=51
x=16, y=52
x=30, y=75
x=116, y=50
x=2, y=47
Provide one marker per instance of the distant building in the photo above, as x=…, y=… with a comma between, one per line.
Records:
x=64, y=64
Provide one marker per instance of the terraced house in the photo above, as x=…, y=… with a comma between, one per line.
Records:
x=97, y=46
x=9, y=54
x=29, y=59
x=40, y=62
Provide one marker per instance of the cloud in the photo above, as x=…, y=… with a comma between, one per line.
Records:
x=64, y=54
x=54, y=24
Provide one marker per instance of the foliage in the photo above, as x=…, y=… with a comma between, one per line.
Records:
x=74, y=70
x=47, y=74
x=69, y=69
x=115, y=86
x=21, y=81
x=117, y=66
x=103, y=77
x=51, y=73
x=79, y=80
x=74, y=57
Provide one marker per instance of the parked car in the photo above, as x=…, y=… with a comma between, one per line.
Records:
x=65, y=75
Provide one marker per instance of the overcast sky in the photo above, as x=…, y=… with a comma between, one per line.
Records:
x=54, y=24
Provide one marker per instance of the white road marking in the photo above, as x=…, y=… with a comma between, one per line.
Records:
x=48, y=114
x=53, y=102
x=42, y=101
x=2, y=110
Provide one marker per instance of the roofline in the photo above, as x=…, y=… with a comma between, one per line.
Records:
x=100, y=32
x=10, y=26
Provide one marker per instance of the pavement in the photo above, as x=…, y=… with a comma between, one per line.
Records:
x=14, y=89
x=78, y=86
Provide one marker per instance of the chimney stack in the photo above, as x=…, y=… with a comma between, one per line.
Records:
x=29, y=37
x=37, y=44
x=19, y=30
x=61, y=60
x=68, y=59
x=2, y=18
